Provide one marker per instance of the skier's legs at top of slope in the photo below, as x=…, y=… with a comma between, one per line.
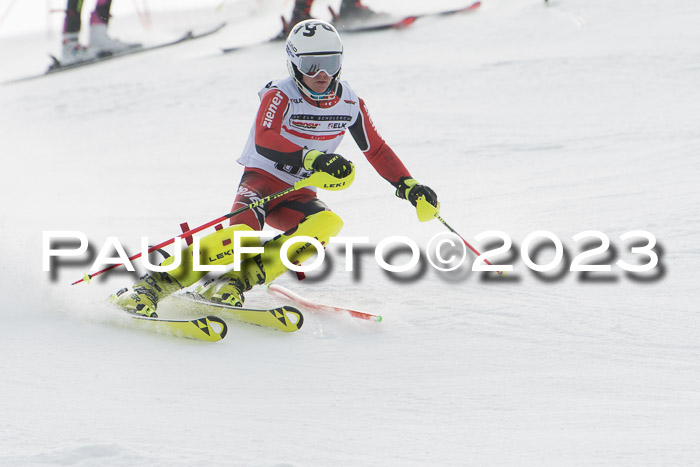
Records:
x=350, y=11
x=100, y=42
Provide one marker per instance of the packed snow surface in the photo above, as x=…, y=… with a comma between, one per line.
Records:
x=568, y=117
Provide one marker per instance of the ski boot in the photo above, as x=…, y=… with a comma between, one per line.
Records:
x=268, y=266
x=215, y=249
x=103, y=45
x=73, y=51
x=142, y=298
x=229, y=287
x=353, y=12
x=301, y=12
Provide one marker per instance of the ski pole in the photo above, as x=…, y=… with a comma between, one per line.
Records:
x=144, y=15
x=317, y=179
x=6, y=13
x=289, y=295
x=427, y=211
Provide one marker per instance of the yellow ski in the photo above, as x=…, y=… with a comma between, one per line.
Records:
x=284, y=318
x=200, y=328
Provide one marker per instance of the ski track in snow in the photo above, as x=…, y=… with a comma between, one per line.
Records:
x=569, y=117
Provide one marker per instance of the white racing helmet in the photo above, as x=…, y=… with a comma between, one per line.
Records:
x=314, y=46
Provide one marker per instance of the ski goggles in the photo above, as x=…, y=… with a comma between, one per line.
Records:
x=311, y=65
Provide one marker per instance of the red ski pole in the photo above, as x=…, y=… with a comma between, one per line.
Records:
x=318, y=179
x=6, y=13
x=427, y=211
x=476, y=252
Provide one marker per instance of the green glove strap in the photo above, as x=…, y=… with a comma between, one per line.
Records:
x=309, y=157
x=405, y=187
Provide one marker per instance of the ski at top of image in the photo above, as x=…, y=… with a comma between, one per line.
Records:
x=397, y=24
x=383, y=23
x=57, y=67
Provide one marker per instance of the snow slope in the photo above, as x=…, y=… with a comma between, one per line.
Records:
x=569, y=117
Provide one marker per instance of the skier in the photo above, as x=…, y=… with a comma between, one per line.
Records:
x=299, y=125
x=100, y=43
x=350, y=11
